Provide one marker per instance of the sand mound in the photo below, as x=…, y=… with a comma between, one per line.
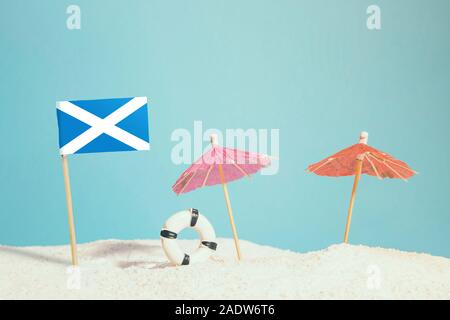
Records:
x=115, y=269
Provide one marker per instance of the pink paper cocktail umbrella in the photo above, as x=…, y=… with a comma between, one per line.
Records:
x=221, y=165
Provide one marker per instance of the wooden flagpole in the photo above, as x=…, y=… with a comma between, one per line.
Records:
x=358, y=169
x=73, y=241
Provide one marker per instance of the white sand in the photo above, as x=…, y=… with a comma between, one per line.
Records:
x=116, y=269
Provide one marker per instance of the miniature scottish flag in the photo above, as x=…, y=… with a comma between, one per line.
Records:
x=106, y=125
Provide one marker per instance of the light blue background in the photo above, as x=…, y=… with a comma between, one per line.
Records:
x=310, y=68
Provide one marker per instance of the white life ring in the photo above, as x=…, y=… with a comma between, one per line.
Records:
x=185, y=219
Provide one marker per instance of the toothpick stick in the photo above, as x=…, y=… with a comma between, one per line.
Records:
x=73, y=241
x=352, y=199
x=230, y=212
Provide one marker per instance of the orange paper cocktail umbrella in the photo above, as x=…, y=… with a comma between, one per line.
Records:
x=360, y=159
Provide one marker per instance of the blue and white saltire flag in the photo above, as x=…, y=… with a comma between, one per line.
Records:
x=106, y=125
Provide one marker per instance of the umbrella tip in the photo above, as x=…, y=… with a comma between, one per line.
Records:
x=214, y=139
x=363, y=137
